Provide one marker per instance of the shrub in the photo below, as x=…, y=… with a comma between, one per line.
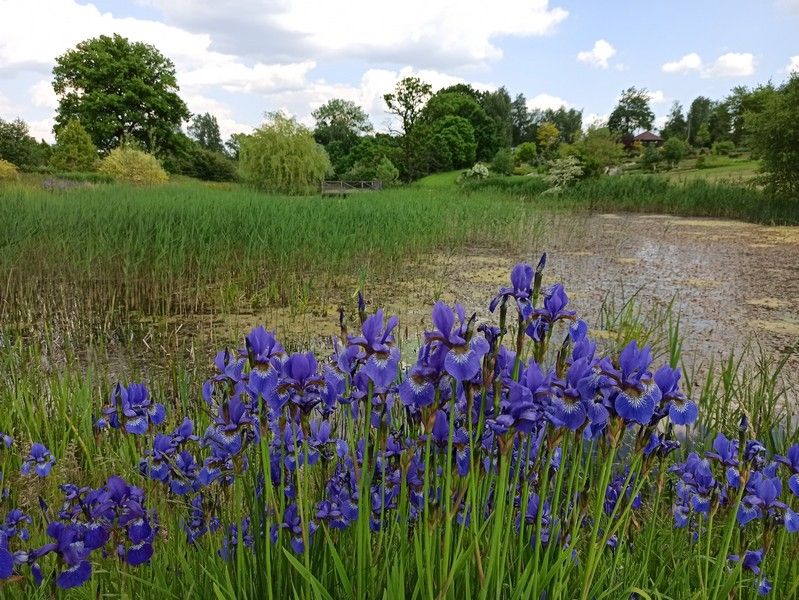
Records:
x=368, y=169
x=282, y=156
x=725, y=148
x=129, y=165
x=476, y=173
x=503, y=162
x=386, y=172
x=673, y=151
x=8, y=172
x=650, y=157
x=209, y=165
x=74, y=150
x=526, y=153
x=563, y=172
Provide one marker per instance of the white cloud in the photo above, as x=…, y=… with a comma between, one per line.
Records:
x=233, y=76
x=367, y=93
x=281, y=81
x=789, y=5
x=595, y=120
x=6, y=108
x=657, y=97
x=689, y=62
x=546, y=101
x=42, y=129
x=732, y=64
x=599, y=55
x=793, y=65
x=437, y=34
x=42, y=94
x=228, y=125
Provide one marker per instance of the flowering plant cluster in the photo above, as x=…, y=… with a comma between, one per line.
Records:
x=545, y=434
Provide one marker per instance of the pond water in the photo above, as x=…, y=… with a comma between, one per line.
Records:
x=730, y=281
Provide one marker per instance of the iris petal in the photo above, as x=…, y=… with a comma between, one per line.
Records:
x=75, y=576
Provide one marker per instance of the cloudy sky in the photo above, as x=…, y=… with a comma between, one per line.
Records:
x=240, y=58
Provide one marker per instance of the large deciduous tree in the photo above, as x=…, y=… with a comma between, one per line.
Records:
x=499, y=108
x=445, y=104
x=523, y=122
x=118, y=89
x=699, y=115
x=18, y=147
x=631, y=113
x=676, y=126
x=406, y=102
x=774, y=134
x=204, y=129
x=340, y=124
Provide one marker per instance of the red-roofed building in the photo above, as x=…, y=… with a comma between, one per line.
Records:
x=647, y=137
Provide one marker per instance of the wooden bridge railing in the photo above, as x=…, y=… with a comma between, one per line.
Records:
x=344, y=188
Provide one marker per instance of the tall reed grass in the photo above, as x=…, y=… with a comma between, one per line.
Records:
x=653, y=194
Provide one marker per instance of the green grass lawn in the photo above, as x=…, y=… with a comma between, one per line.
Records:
x=717, y=168
x=439, y=180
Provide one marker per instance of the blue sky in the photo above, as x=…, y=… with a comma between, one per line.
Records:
x=240, y=58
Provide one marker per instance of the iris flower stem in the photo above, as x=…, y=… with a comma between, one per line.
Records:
x=265, y=468
x=600, y=498
x=651, y=536
x=445, y=564
x=543, y=490
x=525, y=495
x=554, y=511
x=498, y=518
x=725, y=546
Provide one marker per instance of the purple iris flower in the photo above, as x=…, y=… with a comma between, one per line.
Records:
x=555, y=302
x=39, y=460
x=724, y=451
x=233, y=427
x=521, y=279
x=73, y=546
x=376, y=347
x=696, y=485
x=264, y=353
x=791, y=460
x=299, y=382
x=230, y=541
x=464, y=352
x=660, y=446
x=751, y=562
x=573, y=399
x=635, y=392
x=132, y=408
x=293, y=524
x=418, y=388
x=155, y=464
x=6, y=440
x=762, y=497
x=583, y=347
x=682, y=411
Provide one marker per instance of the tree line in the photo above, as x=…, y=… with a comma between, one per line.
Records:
x=113, y=92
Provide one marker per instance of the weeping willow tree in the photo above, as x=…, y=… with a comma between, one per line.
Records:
x=282, y=156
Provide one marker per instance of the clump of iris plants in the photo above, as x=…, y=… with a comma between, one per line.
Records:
x=511, y=431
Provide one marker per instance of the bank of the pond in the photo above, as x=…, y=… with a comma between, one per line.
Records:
x=651, y=194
